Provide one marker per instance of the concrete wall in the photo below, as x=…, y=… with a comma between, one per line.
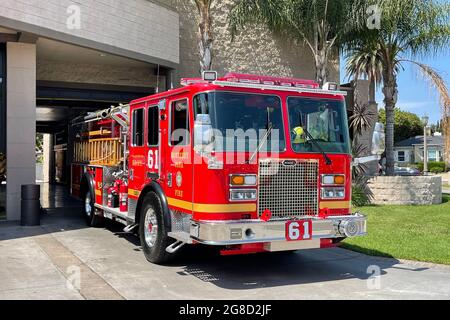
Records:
x=255, y=50
x=142, y=27
x=406, y=190
x=2, y=98
x=96, y=74
x=360, y=96
x=21, y=122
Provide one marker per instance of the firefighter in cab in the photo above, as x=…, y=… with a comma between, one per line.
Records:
x=298, y=137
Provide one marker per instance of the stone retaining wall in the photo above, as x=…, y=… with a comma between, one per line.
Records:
x=406, y=190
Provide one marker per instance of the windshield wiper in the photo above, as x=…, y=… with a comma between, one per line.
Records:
x=269, y=128
x=328, y=161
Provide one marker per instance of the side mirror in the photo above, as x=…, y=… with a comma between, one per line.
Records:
x=203, y=131
x=378, y=140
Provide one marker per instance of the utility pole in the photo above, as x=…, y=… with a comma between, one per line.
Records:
x=425, y=145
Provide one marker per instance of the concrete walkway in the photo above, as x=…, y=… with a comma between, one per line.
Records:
x=63, y=259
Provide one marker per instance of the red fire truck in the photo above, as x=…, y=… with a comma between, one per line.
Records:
x=248, y=163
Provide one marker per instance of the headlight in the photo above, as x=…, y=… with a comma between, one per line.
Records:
x=333, y=179
x=333, y=193
x=243, y=180
x=242, y=195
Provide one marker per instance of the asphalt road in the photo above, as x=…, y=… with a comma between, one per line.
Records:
x=65, y=260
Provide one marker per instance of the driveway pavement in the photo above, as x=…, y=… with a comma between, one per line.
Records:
x=63, y=259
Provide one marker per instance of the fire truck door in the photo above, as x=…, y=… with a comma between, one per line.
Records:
x=179, y=157
x=138, y=156
x=153, y=137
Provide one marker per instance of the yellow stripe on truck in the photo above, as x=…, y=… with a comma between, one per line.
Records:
x=134, y=193
x=212, y=208
x=335, y=205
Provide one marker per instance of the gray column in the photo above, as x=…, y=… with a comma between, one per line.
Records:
x=48, y=167
x=20, y=122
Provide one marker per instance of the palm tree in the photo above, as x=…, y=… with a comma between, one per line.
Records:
x=408, y=30
x=205, y=34
x=361, y=120
x=323, y=25
x=366, y=61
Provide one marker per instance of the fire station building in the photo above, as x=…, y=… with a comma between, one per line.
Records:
x=62, y=58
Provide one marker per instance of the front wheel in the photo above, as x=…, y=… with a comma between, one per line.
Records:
x=88, y=210
x=153, y=231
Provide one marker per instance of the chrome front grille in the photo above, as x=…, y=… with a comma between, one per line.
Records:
x=288, y=188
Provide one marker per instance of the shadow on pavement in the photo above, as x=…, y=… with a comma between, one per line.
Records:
x=263, y=270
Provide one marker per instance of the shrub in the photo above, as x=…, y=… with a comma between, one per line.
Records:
x=433, y=166
x=437, y=170
x=360, y=198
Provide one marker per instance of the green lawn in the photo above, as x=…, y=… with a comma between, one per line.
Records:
x=419, y=233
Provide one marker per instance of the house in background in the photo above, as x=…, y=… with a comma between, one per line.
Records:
x=410, y=151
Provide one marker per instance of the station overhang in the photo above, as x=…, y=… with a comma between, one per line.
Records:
x=136, y=29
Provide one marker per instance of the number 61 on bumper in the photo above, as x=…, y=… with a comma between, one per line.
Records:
x=299, y=230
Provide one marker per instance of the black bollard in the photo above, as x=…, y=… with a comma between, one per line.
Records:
x=30, y=205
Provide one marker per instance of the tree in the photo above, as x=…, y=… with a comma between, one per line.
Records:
x=406, y=124
x=39, y=142
x=408, y=30
x=205, y=33
x=323, y=25
x=360, y=121
x=436, y=127
x=39, y=147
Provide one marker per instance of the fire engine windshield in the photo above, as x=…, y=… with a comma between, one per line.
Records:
x=241, y=121
x=321, y=119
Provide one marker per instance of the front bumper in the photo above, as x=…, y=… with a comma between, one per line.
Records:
x=234, y=232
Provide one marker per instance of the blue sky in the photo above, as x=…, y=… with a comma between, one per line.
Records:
x=414, y=93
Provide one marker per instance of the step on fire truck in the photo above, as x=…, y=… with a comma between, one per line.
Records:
x=247, y=163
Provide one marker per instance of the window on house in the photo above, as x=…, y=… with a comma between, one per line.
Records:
x=432, y=155
x=179, y=132
x=401, y=156
x=138, y=127
x=153, y=126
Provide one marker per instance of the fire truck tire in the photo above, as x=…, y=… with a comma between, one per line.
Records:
x=154, y=242
x=92, y=220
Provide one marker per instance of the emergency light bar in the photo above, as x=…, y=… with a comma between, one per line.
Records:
x=271, y=81
x=189, y=81
x=264, y=83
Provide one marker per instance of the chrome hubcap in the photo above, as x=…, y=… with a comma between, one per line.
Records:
x=150, y=227
x=87, y=205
